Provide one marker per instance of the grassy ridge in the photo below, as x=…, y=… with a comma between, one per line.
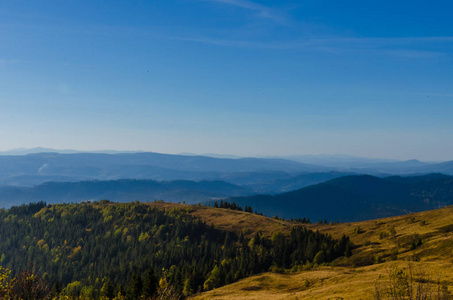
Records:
x=232, y=220
x=374, y=257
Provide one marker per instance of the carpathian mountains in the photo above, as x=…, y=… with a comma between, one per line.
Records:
x=123, y=190
x=347, y=198
x=358, y=197
x=262, y=174
x=276, y=186
x=42, y=167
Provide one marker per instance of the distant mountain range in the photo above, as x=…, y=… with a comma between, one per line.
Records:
x=265, y=175
x=125, y=190
x=359, y=197
x=338, y=161
x=25, y=151
x=331, y=195
x=282, y=183
x=293, y=188
x=26, y=170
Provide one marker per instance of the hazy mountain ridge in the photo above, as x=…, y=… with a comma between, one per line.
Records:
x=120, y=191
x=290, y=183
x=359, y=197
x=262, y=174
x=140, y=165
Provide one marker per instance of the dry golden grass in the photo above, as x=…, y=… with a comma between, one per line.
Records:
x=321, y=283
x=434, y=227
x=231, y=220
x=375, y=253
x=346, y=278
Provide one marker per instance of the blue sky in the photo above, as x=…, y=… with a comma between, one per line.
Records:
x=368, y=78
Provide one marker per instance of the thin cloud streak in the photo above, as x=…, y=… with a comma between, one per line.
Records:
x=339, y=45
x=413, y=53
x=261, y=10
x=7, y=62
x=370, y=42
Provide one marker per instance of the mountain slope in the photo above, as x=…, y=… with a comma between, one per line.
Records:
x=373, y=259
x=357, y=197
x=289, y=183
x=87, y=245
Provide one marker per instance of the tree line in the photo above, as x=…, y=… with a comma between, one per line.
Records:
x=135, y=250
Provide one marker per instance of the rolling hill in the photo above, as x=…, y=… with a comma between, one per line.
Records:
x=375, y=258
x=102, y=249
x=419, y=243
x=287, y=182
x=358, y=197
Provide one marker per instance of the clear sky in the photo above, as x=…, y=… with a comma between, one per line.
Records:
x=369, y=78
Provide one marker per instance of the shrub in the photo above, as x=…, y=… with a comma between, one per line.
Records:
x=410, y=283
x=358, y=230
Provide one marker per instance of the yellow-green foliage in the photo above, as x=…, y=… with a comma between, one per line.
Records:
x=4, y=282
x=143, y=236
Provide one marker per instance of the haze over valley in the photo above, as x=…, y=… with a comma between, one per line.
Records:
x=283, y=187
x=226, y=149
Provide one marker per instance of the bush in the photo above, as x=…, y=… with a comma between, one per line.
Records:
x=28, y=286
x=383, y=235
x=410, y=283
x=358, y=230
x=415, y=241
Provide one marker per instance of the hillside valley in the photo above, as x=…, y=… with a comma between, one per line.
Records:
x=102, y=249
x=421, y=244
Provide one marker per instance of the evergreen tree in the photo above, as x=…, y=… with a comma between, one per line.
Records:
x=150, y=283
x=213, y=280
x=107, y=290
x=56, y=289
x=347, y=251
x=135, y=287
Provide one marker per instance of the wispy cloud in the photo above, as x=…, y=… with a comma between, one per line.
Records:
x=306, y=43
x=6, y=62
x=260, y=10
x=399, y=46
x=226, y=42
x=9, y=61
x=412, y=53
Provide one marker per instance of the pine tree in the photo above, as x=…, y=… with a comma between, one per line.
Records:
x=107, y=290
x=150, y=283
x=56, y=289
x=347, y=251
x=136, y=286
x=213, y=280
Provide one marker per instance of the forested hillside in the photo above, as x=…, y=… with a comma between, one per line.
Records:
x=359, y=197
x=107, y=249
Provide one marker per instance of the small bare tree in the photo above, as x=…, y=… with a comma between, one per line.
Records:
x=410, y=284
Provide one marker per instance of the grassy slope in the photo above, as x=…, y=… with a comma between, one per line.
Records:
x=232, y=220
x=347, y=279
